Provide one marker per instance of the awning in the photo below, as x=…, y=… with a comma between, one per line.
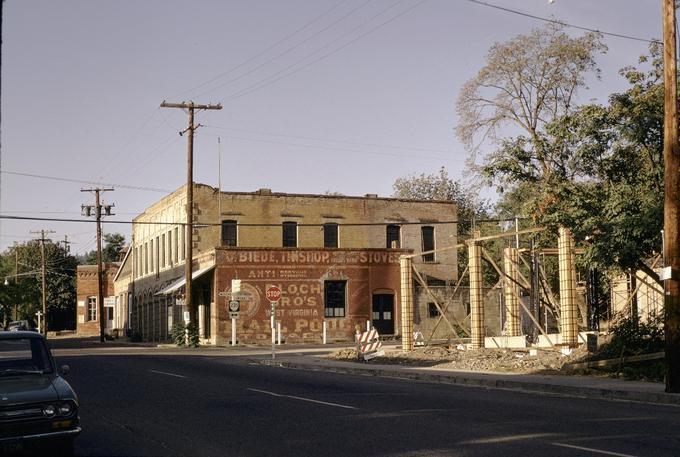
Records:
x=180, y=282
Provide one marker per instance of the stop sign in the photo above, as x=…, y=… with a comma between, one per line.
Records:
x=273, y=293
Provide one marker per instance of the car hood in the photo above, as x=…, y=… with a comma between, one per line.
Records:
x=26, y=389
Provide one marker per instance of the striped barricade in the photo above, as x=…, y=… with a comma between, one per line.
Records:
x=369, y=345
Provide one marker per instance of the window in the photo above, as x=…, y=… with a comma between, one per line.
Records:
x=334, y=298
x=137, y=262
x=330, y=235
x=175, y=246
x=289, y=234
x=162, y=265
x=91, y=308
x=393, y=236
x=229, y=235
x=428, y=242
x=432, y=310
x=182, y=243
x=154, y=255
x=146, y=258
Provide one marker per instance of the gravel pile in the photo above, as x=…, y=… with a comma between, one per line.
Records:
x=544, y=360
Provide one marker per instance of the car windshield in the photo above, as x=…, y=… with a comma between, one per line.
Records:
x=24, y=356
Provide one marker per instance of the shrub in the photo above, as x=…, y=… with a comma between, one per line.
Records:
x=630, y=336
x=193, y=335
x=178, y=334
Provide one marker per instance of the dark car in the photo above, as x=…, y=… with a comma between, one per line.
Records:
x=38, y=408
x=15, y=326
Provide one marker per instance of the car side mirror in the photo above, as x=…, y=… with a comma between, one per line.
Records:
x=64, y=370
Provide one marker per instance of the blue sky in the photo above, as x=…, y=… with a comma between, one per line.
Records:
x=319, y=95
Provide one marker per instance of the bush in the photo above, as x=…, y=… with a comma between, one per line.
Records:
x=632, y=337
x=193, y=335
x=185, y=335
x=178, y=334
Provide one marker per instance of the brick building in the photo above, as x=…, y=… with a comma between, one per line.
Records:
x=87, y=311
x=335, y=258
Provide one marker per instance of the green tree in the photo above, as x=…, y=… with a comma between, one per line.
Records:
x=113, y=245
x=442, y=188
x=526, y=83
x=21, y=298
x=609, y=190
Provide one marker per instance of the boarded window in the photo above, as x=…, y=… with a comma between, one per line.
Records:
x=334, y=293
x=229, y=235
x=289, y=234
x=427, y=233
x=330, y=235
x=393, y=236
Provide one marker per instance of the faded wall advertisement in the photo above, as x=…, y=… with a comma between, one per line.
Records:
x=302, y=276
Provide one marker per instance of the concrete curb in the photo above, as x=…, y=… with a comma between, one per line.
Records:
x=488, y=381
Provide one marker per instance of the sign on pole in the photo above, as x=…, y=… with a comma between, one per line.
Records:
x=234, y=308
x=273, y=294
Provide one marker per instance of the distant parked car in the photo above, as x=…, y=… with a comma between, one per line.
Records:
x=16, y=326
x=38, y=408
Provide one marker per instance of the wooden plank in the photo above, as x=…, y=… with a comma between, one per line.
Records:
x=617, y=361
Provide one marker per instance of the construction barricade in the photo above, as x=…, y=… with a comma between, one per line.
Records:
x=369, y=345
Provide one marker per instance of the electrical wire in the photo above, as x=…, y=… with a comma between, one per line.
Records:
x=328, y=27
x=310, y=146
x=566, y=24
x=206, y=225
x=264, y=51
x=81, y=181
x=354, y=143
x=269, y=81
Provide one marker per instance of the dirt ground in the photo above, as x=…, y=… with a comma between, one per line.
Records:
x=545, y=360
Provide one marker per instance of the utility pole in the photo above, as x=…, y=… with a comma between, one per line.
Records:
x=87, y=211
x=671, y=154
x=42, y=240
x=188, y=237
x=67, y=248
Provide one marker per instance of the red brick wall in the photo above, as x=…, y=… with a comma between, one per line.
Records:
x=86, y=286
x=300, y=274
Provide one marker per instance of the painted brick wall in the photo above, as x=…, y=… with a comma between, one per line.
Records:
x=86, y=286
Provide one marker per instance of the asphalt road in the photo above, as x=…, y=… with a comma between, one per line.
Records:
x=201, y=405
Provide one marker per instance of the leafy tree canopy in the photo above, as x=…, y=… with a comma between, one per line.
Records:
x=606, y=179
x=441, y=187
x=21, y=265
x=113, y=245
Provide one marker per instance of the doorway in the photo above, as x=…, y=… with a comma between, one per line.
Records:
x=383, y=313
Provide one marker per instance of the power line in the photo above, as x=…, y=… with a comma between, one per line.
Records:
x=393, y=154
x=276, y=44
x=81, y=181
x=269, y=81
x=206, y=225
x=566, y=24
x=355, y=143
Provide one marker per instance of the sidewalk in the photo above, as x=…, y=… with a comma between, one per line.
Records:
x=581, y=386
